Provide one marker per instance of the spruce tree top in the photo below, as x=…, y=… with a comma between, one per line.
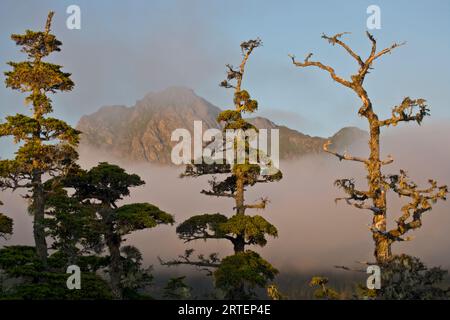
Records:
x=47, y=144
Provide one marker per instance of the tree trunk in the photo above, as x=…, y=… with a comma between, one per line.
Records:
x=239, y=243
x=38, y=212
x=382, y=244
x=382, y=248
x=115, y=266
x=238, y=293
x=240, y=208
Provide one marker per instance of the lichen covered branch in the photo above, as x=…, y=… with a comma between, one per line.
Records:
x=344, y=156
x=406, y=111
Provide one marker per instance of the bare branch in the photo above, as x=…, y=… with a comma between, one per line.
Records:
x=387, y=161
x=344, y=156
x=247, y=48
x=49, y=22
x=308, y=63
x=336, y=40
x=389, y=235
x=203, y=263
x=218, y=194
x=350, y=269
x=348, y=185
x=367, y=65
x=359, y=205
x=387, y=50
x=260, y=205
x=374, y=44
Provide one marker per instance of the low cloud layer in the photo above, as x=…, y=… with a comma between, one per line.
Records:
x=314, y=232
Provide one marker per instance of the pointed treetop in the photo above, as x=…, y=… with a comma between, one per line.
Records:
x=49, y=22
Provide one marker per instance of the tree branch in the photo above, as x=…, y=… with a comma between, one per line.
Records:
x=405, y=112
x=336, y=40
x=218, y=194
x=260, y=205
x=389, y=160
x=308, y=63
x=202, y=263
x=205, y=236
x=420, y=203
x=344, y=156
x=359, y=205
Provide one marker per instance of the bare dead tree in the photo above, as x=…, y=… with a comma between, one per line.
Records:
x=374, y=199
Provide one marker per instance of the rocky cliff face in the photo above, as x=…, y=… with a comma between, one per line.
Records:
x=142, y=132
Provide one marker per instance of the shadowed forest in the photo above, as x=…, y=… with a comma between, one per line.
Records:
x=104, y=199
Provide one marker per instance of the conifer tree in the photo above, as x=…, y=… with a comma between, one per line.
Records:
x=26, y=278
x=46, y=144
x=373, y=199
x=72, y=226
x=101, y=188
x=238, y=274
x=177, y=289
x=6, y=225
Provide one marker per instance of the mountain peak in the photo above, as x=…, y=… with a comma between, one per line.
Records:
x=143, y=132
x=346, y=136
x=261, y=123
x=172, y=95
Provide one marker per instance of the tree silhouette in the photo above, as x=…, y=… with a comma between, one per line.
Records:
x=323, y=291
x=73, y=226
x=46, y=144
x=177, y=289
x=374, y=199
x=237, y=274
x=101, y=188
x=27, y=278
x=6, y=225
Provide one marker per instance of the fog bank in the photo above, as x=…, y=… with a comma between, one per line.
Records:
x=314, y=232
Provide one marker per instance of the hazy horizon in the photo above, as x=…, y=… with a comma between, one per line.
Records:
x=314, y=232
x=124, y=50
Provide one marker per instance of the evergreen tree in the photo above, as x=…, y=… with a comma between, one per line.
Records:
x=101, y=188
x=236, y=275
x=28, y=279
x=177, y=289
x=323, y=291
x=405, y=277
x=6, y=225
x=374, y=199
x=72, y=225
x=46, y=144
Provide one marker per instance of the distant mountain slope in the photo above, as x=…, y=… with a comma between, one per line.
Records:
x=142, y=132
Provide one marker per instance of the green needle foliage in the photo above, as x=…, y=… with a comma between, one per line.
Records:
x=246, y=268
x=72, y=225
x=405, y=277
x=100, y=189
x=322, y=290
x=177, y=289
x=239, y=274
x=46, y=145
x=29, y=279
x=6, y=225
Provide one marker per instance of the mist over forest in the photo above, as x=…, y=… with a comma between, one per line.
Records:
x=350, y=203
x=315, y=233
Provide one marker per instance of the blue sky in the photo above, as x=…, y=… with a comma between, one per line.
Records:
x=128, y=48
